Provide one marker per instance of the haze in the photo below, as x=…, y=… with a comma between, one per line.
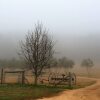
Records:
x=74, y=24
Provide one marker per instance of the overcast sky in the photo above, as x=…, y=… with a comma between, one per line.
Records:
x=75, y=24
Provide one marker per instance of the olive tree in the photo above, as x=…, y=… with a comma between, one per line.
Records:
x=37, y=50
x=87, y=63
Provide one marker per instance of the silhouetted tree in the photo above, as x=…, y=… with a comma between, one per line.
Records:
x=37, y=50
x=54, y=62
x=87, y=63
x=66, y=63
x=11, y=63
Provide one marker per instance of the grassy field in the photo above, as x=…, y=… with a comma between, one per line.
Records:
x=31, y=92
x=26, y=92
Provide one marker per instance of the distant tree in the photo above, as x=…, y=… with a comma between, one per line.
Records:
x=54, y=62
x=37, y=50
x=66, y=63
x=3, y=63
x=88, y=64
x=11, y=63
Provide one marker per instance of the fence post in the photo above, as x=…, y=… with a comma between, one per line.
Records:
x=23, y=77
x=2, y=76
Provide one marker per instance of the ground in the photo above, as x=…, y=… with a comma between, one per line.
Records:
x=88, y=93
x=31, y=92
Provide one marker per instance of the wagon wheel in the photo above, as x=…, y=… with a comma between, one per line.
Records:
x=51, y=78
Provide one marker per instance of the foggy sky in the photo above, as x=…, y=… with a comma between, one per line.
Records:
x=74, y=24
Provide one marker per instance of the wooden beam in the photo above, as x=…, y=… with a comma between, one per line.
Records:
x=14, y=71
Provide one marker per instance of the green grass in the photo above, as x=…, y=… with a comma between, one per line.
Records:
x=31, y=92
x=26, y=92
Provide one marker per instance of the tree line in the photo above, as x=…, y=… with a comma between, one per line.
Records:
x=37, y=52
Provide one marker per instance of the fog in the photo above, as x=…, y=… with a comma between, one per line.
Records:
x=74, y=25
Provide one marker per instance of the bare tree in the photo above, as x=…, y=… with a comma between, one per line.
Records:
x=88, y=63
x=37, y=50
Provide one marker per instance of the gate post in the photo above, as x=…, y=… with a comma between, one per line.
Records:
x=23, y=77
x=2, y=76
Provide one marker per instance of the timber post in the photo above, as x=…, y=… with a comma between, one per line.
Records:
x=23, y=77
x=2, y=76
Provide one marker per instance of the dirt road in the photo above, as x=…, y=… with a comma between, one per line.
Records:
x=89, y=93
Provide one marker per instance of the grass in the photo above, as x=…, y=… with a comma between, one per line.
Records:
x=26, y=92
x=31, y=92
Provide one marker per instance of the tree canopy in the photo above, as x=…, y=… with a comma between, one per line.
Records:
x=87, y=63
x=67, y=63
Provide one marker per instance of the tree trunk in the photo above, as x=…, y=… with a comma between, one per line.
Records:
x=88, y=72
x=35, y=80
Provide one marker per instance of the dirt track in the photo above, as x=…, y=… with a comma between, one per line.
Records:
x=89, y=93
